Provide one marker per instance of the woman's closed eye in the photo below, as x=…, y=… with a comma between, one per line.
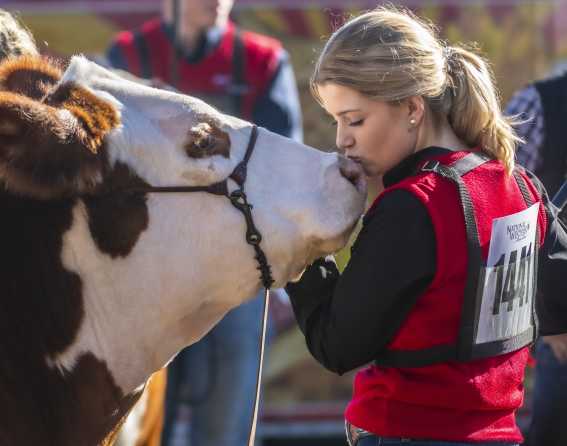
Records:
x=350, y=124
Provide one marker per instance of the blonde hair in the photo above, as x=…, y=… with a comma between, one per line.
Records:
x=15, y=39
x=390, y=54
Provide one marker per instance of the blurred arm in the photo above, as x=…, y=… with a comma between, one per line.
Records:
x=526, y=107
x=278, y=109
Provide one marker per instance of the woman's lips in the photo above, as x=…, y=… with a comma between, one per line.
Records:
x=357, y=160
x=362, y=163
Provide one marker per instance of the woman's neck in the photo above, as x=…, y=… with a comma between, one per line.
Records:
x=440, y=135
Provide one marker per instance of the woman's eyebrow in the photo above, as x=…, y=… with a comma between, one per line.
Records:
x=347, y=111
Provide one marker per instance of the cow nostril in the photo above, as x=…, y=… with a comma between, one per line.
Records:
x=351, y=171
x=350, y=175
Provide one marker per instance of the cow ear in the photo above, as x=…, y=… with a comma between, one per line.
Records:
x=44, y=151
x=31, y=76
x=96, y=117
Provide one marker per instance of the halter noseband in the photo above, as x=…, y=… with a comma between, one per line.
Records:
x=238, y=199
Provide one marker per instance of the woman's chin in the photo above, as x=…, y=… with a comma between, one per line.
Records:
x=375, y=183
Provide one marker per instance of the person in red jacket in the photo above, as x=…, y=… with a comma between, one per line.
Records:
x=196, y=48
x=439, y=293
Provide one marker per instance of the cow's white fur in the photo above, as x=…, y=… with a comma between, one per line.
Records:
x=192, y=264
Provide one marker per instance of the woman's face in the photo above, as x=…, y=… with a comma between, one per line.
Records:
x=203, y=14
x=376, y=134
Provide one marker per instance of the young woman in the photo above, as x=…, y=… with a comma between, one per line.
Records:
x=439, y=292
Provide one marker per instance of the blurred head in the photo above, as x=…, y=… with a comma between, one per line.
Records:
x=198, y=14
x=15, y=40
x=387, y=79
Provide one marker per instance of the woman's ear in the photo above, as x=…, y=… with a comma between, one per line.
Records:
x=416, y=110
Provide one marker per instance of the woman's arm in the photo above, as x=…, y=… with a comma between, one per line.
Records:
x=348, y=319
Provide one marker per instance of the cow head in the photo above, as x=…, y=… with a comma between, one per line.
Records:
x=151, y=272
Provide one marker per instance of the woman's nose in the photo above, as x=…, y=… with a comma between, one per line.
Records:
x=344, y=140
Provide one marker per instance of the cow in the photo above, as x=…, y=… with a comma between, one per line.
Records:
x=103, y=278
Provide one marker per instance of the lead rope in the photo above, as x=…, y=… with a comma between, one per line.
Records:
x=254, y=420
x=253, y=237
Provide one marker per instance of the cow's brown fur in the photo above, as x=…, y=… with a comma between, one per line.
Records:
x=97, y=117
x=28, y=75
x=41, y=312
x=47, y=165
x=42, y=155
x=117, y=217
x=61, y=411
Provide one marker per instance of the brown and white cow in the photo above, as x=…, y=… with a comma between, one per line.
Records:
x=100, y=287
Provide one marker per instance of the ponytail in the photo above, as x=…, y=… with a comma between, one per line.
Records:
x=473, y=108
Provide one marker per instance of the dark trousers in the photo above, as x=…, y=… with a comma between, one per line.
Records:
x=549, y=411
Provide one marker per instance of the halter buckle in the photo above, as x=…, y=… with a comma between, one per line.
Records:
x=239, y=201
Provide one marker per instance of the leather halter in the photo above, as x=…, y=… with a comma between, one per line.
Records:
x=238, y=199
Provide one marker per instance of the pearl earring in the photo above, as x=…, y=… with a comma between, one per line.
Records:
x=412, y=121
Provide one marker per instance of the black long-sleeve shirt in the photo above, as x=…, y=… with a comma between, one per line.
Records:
x=349, y=319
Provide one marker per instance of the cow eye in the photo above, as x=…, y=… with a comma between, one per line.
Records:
x=205, y=140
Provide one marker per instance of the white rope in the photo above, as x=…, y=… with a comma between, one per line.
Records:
x=254, y=421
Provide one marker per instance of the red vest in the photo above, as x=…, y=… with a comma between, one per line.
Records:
x=150, y=53
x=452, y=400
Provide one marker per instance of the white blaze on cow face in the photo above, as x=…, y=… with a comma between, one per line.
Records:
x=192, y=264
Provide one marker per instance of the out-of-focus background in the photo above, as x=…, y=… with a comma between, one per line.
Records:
x=524, y=40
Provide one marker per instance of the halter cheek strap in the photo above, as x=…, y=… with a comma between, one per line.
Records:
x=237, y=198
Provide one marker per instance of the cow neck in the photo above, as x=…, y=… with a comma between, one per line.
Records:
x=253, y=237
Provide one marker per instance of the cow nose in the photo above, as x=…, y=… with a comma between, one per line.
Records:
x=352, y=171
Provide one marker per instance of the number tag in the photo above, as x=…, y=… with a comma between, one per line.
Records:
x=509, y=284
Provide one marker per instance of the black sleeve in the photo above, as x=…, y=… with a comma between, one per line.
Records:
x=349, y=319
x=551, y=301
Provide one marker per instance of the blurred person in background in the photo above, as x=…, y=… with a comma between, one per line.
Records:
x=201, y=52
x=541, y=109
x=438, y=295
